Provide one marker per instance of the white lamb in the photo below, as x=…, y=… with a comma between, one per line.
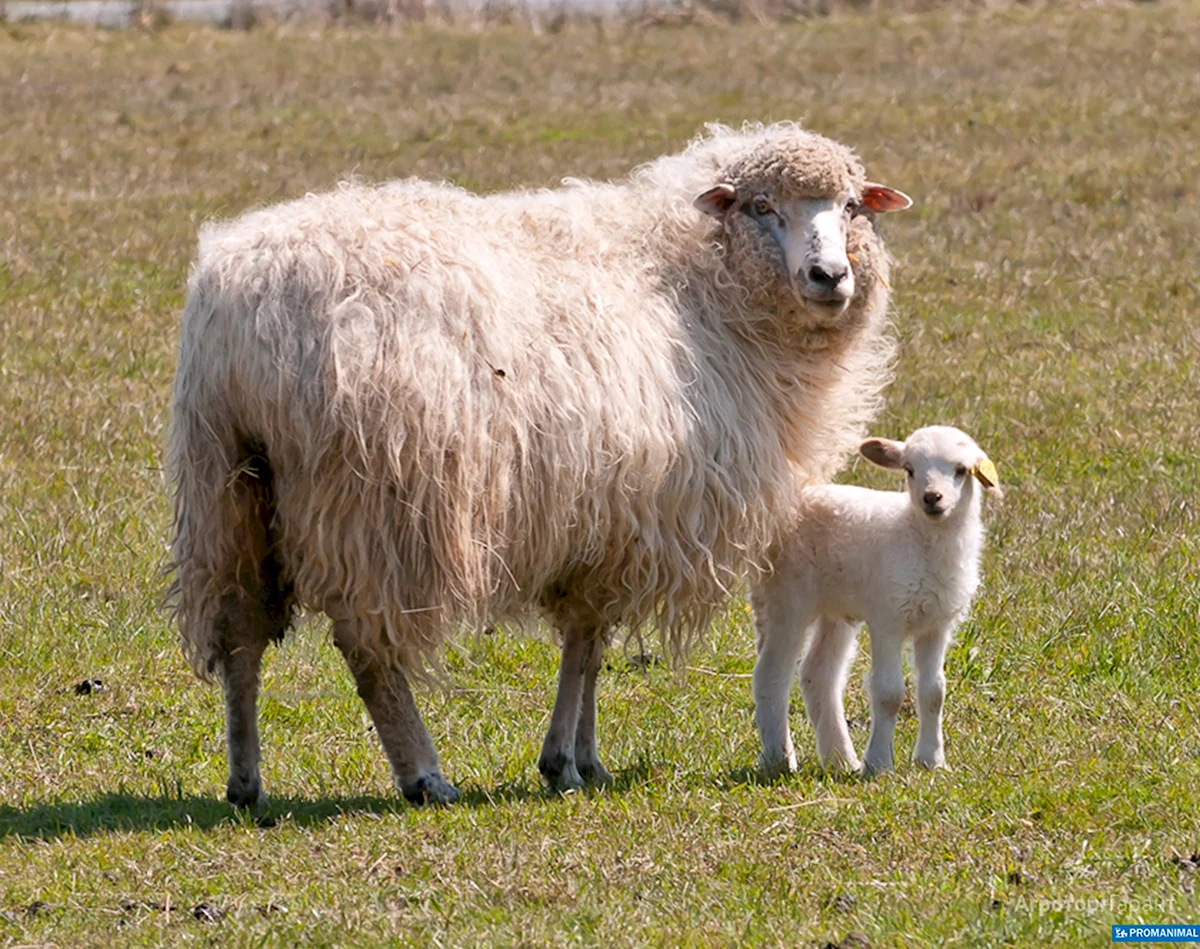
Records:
x=906, y=563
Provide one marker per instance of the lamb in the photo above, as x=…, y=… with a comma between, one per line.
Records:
x=906, y=562
x=417, y=409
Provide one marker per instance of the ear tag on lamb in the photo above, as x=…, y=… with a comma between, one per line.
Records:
x=985, y=471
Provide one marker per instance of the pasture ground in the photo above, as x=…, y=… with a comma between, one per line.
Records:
x=1047, y=301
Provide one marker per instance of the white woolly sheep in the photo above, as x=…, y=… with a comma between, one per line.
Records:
x=907, y=563
x=418, y=409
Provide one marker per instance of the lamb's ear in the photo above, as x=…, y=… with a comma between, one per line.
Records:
x=883, y=452
x=985, y=473
x=716, y=201
x=880, y=198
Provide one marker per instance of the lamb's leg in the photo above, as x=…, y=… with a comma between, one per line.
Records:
x=405, y=739
x=929, y=654
x=823, y=680
x=557, y=761
x=782, y=623
x=886, y=686
x=587, y=755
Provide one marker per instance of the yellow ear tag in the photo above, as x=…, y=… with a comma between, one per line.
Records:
x=985, y=471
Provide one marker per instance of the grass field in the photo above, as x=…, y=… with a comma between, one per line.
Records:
x=1047, y=297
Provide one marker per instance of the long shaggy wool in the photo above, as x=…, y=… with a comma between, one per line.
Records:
x=456, y=410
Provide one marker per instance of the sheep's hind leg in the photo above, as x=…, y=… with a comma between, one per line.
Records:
x=782, y=619
x=822, y=682
x=405, y=740
x=243, y=643
x=557, y=762
x=259, y=611
x=587, y=754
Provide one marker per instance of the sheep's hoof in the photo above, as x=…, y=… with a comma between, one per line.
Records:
x=430, y=788
x=245, y=793
x=872, y=769
x=593, y=772
x=559, y=772
x=931, y=762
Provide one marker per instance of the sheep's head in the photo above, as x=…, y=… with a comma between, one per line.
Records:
x=786, y=209
x=941, y=465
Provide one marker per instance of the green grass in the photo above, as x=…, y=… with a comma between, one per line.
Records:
x=1046, y=297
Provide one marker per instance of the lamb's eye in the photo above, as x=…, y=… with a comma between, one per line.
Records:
x=852, y=207
x=908, y=470
x=960, y=471
x=762, y=206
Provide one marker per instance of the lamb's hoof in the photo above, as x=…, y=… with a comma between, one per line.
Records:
x=930, y=762
x=594, y=773
x=430, y=788
x=774, y=766
x=839, y=764
x=559, y=772
x=245, y=793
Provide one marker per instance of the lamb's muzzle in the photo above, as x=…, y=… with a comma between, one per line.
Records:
x=933, y=504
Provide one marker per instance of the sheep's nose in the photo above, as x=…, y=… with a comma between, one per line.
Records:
x=931, y=498
x=824, y=279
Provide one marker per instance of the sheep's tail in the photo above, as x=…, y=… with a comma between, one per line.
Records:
x=229, y=582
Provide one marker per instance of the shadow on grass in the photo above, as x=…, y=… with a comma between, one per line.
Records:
x=808, y=772
x=124, y=812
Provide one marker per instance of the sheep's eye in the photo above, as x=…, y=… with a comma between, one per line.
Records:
x=762, y=206
x=960, y=471
x=852, y=207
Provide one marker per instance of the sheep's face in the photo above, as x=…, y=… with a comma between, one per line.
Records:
x=785, y=207
x=810, y=236
x=803, y=240
x=941, y=465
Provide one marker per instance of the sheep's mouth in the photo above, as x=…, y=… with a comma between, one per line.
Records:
x=824, y=304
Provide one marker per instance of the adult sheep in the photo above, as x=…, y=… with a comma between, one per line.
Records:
x=416, y=409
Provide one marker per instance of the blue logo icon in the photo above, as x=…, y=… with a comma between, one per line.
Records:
x=1161, y=933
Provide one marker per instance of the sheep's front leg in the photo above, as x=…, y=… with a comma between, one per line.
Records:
x=886, y=687
x=822, y=681
x=782, y=624
x=587, y=754
x=929, y=654
x=398, y=723
x=557, y=762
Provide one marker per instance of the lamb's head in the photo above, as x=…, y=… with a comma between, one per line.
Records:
x=941, y=464
x=787, y=206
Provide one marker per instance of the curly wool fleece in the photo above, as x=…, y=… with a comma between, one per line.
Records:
x=420, y=409
x=792, y=163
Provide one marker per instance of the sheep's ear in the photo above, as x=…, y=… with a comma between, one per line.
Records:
x=985, y=473
x=880, y=198
x=883, y=452
x=716, y=201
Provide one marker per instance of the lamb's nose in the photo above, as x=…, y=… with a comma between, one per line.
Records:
x=931, y=498
x=824, y=279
